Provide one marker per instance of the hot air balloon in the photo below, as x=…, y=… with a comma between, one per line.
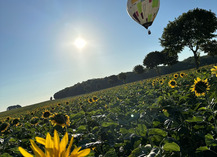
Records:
x=143, y=11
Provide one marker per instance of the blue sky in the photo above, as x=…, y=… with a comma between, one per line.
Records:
x=37, y=55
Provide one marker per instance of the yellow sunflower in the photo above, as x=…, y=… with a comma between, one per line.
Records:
x=4, y=126
x=198, y=71
x=94, y=99
x=161, y=81
x=164, y=78
x=200, y=87
x=8, y=118
x=172, y=83
x=90, y=100
x=182, y=75
x=46, y=114
x=176, y=76
x=34, y=120
x=153, y=83
x=214, y=71
x=60, y=119
x=54, y=147
x=16, y=121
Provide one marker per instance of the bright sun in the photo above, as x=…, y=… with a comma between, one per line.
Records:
x=80, y=43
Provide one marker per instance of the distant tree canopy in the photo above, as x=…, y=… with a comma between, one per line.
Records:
x=138, y=69
x=153, y=59
x=122, y=77
x=112, y=79
x=191, y=29
x=13, y=107
x=169, y=59
x=210, y=47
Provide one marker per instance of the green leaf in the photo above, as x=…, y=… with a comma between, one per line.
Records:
x=12, y=140
x=6, y=155
x=138, y=151
x=195, y=119
x=197, y=105
x=110, y=153
x=199, y=126
x=156, y=131
x=210, y=118
x=108, y=124
x=166, y=113
x=123, y=131
x=141, y=130
x=82, y=128
x=202, y=108
x=156, y=123
x=171, y=147
x=202, y=148
x=210, y=140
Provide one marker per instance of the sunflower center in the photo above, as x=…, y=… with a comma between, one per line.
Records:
x=60, y=119
x=3, y=126
x=201, y=87
x=34, y=120
x=15, y=121
x=95, y=98
x=46, y=114
x=173, y=83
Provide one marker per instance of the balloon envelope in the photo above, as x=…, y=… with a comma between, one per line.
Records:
x=143, y=11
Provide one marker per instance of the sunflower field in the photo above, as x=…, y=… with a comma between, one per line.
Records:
x=170, y=115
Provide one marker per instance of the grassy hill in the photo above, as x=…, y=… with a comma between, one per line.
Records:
x=161, y=116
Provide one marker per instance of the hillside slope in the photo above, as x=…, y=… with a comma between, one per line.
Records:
x=103, y=83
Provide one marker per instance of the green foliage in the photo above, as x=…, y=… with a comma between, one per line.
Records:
x=153, y=59
x=138, y=69
x=171, y=147
x=134, y=119
x=112, y=79
x=191, y=29
x=122, y=77
x=210, y=47
x=169, y=59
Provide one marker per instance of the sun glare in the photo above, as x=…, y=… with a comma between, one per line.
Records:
x=80, y=43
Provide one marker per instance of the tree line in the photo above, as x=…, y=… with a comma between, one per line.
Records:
x=127, y=77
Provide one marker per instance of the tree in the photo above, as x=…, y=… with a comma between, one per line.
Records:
x=138, y=69
x=210, y=47
x=13, y=107
x=191, y=29
x=153, y=59
x=122, y=77
x=169, y=59
x=112, y=79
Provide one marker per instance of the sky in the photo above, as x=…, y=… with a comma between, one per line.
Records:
x=38, y=56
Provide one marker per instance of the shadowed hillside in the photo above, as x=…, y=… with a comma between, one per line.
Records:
x=107, y=82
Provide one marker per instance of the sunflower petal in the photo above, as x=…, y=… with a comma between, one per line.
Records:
x=56, y=143
x=40, y=140
x=24, y=152
x=69, y=147
x=64, y=142
x=84, y=152
x=49, y=145
x=36, y=149
x=75, y=151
